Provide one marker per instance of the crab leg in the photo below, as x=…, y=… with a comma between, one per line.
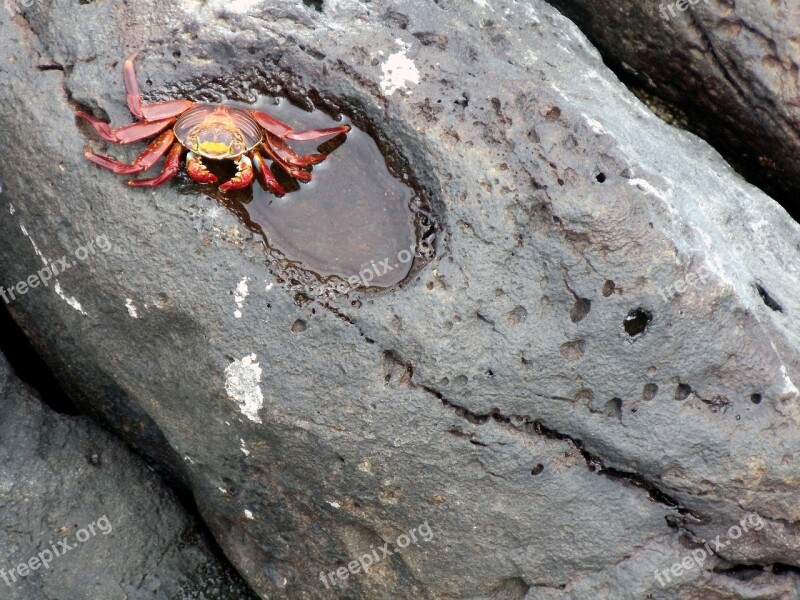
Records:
x=316, y=134
x=243, y=177
x=171, y=167
x=265, y=176
x=289, y=156
x=197, y=170
x=127, y=133
x=132, y=87
x=282, y=130
x=144, y=161
x=166, y=109
x=294, y=171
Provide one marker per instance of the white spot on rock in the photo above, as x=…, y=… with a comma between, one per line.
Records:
x=244, y=448
x=131, y=308
x=334, y=504
x=399, y=70
x=596, y=126
x=11, y=209
x=243, y=385
x=248, y=514
x=242, y=292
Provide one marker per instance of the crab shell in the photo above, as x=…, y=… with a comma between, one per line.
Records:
x=218, y=132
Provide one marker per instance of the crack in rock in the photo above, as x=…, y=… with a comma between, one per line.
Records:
x=529, y=425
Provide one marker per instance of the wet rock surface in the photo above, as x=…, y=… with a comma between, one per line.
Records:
x=87, y=519
x=727, y=70
x=593, y=377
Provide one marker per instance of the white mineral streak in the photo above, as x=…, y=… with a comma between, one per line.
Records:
x=72, y=301
x=243, y=385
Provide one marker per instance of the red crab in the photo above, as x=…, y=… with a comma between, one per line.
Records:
x=213, y=131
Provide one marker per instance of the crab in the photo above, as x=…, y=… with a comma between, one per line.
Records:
x=206, y=131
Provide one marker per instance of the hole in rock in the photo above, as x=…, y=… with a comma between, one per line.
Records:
x=755, y=398
x=768, y=300
x=355, y=225
x=537, y=469
x=637, y=321
x=682, y=391
x=784, y=569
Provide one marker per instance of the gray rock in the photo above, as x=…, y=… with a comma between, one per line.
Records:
x=593, y=378
x=82, y=517
x=727, y=70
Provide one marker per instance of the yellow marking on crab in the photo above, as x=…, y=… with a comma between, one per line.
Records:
x=214, y=148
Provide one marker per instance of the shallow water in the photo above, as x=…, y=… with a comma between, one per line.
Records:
x=352, y=219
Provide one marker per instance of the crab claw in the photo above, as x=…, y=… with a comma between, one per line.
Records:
x=197, y=170
x=243, y=177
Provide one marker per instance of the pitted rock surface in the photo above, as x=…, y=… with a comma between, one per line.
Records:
x=565, y=394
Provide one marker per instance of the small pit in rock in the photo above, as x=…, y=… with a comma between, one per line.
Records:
x=768, y=299
x=682, y=391
x=649, y=391
x=353, y=226
x=636, y=322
